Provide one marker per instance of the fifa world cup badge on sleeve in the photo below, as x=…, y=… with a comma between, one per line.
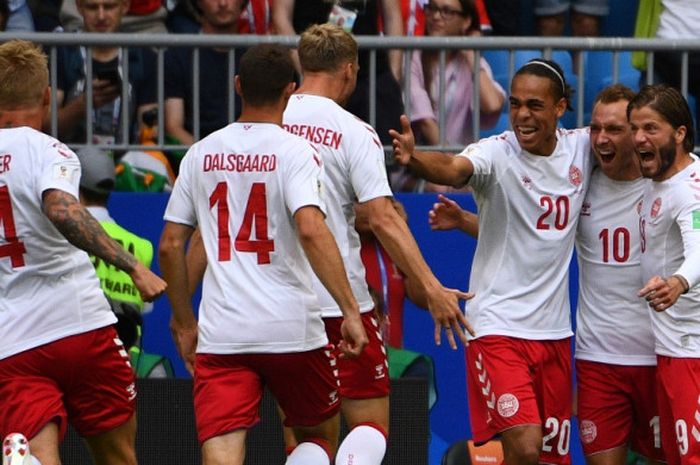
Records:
x=696, y=219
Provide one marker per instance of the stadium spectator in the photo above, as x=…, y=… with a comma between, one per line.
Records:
x=217, y=17
x=529, y=186
x=413, y=13
x=361, y=17
x=586, y=16
x=97, y=182
x=61, y=360
x=283, y=338
x=20, y=18
x=4, y=14
x=669, y=221
x=104, y=16
x=141, y=16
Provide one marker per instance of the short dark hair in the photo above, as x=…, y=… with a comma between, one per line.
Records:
x=614, y=93
x=551, y=70
x=265, y=70
x=671, y=105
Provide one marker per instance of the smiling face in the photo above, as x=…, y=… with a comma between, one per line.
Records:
x=656, y=142
x=534, y=113
x=612, y=142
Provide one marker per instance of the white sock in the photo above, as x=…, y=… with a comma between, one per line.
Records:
x=308, y=453
x=364, y=445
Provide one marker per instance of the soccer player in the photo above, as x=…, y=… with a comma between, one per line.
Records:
x=669, y=222
x=254, y=190
x=354, y=171
x=529, y=185
x=60, y=357
x=615, y=369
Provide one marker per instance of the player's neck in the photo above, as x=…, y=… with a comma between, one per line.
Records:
x=31, y=117
x=323, y=85
x=271, y=115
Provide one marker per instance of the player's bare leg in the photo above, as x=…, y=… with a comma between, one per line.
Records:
x=227, y=449
x=44, y=446
x=315, y=444
x=368, y=420
x=522, y=445
x=115, y=447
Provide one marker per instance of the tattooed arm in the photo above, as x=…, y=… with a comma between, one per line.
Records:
x=82, y=230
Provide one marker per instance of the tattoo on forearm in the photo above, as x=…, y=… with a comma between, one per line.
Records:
x=82, y=229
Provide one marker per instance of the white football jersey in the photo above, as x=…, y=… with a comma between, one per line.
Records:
x=242, y=185
x=48, y=287
x=613, y=325
x=354, y=170
x=670, y=239
x=528, y=212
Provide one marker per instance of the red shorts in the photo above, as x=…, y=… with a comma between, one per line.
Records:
x=678, y=394
x=367, y=376
x=84, y=379
x=516, y=382
x=228, y=389
x=617, y=408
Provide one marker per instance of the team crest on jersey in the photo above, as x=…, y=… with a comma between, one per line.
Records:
x=575, y=175
x=589, y=431
x=527, y=182
x=656, y=207
x=586, y=209
x=508, y=405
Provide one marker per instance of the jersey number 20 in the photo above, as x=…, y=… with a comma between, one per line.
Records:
x=255, y=215
x=13, y=247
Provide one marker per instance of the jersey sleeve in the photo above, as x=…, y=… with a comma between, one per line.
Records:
x=689, y=223
x=181, y=206
x=367, y=166
x=481, y=156
x=60, y=169
x=302, y=183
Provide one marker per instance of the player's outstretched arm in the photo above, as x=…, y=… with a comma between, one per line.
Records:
x=446, y=214
x=324, y=257
x=443, y=304
x=82, y=230
x=437, y=167
x=183, y=324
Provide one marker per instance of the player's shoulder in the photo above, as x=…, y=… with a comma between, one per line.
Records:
x=504, y=143
x=41, y=144
x=574, y=137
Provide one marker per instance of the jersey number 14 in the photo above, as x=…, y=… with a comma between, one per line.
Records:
x=255, y=215
x=13, y=247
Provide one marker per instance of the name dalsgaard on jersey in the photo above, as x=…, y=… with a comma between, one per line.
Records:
x=239, y=162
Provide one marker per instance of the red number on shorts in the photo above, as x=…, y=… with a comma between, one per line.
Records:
x=620, y=244
x=13, y=247
x=255, y=215
x=560, y=208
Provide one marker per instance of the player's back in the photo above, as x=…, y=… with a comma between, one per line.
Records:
x=243, y=185
x=49, y=288
x=354, y=170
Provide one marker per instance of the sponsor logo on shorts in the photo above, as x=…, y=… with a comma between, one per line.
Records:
x=131, y=390
x=380, y=371
x=508, y=405
x=589, y=431
x=333, y=397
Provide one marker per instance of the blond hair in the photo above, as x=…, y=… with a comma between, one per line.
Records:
x=24, y=74
x=325, y=47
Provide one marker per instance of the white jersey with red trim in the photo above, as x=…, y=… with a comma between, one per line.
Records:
x=354, y=170
x=529, y=207
x=242, y=185
x=613, y=325
x=48, y=287
x=670, y=236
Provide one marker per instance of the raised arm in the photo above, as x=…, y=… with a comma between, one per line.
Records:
x=443, y=304
x=323, y=254
x=446, y=214
x=437, y=167
x=82, y=230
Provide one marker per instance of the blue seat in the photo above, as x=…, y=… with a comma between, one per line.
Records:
x=598, y=74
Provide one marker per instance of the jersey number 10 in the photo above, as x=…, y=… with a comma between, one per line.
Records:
x=255, y=214
x=13, y=247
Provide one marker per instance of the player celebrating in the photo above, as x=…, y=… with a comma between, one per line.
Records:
x=669, y=223
x=354, y=162
x=529, y=186
x=60, y=357
x=255, y=192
